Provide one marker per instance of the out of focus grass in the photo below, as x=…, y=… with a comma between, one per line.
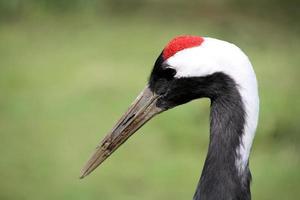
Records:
x=65, y=80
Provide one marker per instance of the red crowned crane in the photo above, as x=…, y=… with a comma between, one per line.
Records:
x=193, y=67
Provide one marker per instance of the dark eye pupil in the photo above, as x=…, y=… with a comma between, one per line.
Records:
x=168, y=73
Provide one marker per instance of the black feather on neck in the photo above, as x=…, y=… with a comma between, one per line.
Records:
x=220, y=179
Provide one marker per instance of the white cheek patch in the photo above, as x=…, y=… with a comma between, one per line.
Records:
x=219, y=56
x=189, y=63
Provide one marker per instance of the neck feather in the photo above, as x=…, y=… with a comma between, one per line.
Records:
x=221, y=177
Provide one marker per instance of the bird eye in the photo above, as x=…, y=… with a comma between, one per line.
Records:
x=168, y=73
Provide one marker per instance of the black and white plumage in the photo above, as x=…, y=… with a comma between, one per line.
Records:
x=189, y=68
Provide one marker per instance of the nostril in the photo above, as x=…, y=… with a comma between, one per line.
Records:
x=128, y=119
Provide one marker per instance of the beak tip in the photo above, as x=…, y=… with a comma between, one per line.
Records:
x=83, y=174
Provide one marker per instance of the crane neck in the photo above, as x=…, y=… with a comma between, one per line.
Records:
x=221, y=177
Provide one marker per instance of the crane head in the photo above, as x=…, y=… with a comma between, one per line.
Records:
x=188, y=68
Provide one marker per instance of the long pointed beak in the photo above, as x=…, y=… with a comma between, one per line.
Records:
x=141, y=110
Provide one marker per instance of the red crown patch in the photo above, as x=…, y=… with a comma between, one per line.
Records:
x=179, y=43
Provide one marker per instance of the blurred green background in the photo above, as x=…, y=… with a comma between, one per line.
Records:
x=69, y=69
